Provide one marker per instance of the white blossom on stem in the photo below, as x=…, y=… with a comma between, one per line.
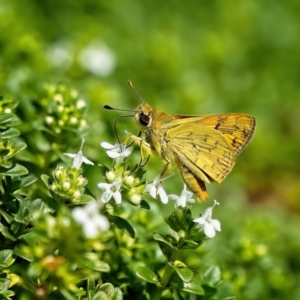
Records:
x=78, y=158
x=210, y=225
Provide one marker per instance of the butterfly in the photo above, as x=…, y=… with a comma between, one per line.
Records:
x=203, y=147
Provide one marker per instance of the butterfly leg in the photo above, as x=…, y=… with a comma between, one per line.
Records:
x=143, y=146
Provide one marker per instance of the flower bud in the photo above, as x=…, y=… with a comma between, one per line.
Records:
x=66, y=186
x=129, y=180
x=135, y=199
x=110, y=176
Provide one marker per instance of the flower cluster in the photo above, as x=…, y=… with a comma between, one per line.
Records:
x=68, y=184
x=120, y=178
x=65, y=109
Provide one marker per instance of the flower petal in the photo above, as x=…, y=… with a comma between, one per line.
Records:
x=200, y=220
x=106, y=145
x=209, y=230
x=104, y=186
x=70, y=154
x=216, y=224
x=102, y=222
x=117, y=196
x=112, y=154
x=87, y=161
x=163, y=195
x=106, y=196
x=79, y=214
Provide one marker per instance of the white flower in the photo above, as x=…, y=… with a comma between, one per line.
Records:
x=79, y=158
x=117, y=151
x=111, y=190
x=155, y=189
x=60, y=54
x=184, y=198
x=98, y=59
x=90, y=219
x=210, y=225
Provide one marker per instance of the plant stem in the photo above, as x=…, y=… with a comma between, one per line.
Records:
x=166, y=276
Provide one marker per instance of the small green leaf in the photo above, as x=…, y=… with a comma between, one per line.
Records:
x=16, y=170
x=46, y=179
x=9, y=120
x=6, y=258
x=27, y=180
x=147, y=274
x=25, y=255
x=4, y=285
x=185, y=274
x=100, y=296
x=103, y=169
x=32, y=237
x=10, y=133
x=36, y=205
x=8, y=294
x=7, y=234
x=118, y=295
x=8, y=218
x=18, y=146
x=160, y=238
x=144, y=204
x=122, y=224
x=212, y=276
x=91, y=261
x=194, y=288
x=84, y=199
x=108, y=289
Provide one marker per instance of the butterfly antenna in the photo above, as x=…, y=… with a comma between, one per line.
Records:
x=131, y=85
x=112, y=108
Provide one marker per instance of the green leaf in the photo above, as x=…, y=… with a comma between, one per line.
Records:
x=147, y=274
x=36, y=205
x=108, y=289
x=91, y=261
x=17, y=170
x=122, y=224
x=9, y=120
x=194, y=288
x=103, y=169
x=8, y=294
x=18, y=146
x=100, y=296
x=118, y=295
x=7, y=234
x=144, y=204
x=160, y=238
x=25, y=181
x=212, y=276
x=47, y=180
x=84, y=199
x=185, y=274
x=4, y=284
x=25, y=255
x=10, y=133
x=31, y=238
x=6, y=258
x=8, y=218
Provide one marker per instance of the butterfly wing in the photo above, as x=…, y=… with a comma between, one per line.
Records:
x=237, y=128
x=202, y=154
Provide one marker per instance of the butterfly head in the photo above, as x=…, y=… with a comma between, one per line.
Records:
x=143, y=115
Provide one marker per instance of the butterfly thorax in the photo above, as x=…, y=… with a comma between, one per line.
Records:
x=152, y=123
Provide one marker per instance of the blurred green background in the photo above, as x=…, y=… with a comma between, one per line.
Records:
x=195, y=57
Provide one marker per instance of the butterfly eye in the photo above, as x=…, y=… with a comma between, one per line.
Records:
x=144, y=119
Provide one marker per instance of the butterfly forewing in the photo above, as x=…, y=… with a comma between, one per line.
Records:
x=237, y=128
x=206, y=152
